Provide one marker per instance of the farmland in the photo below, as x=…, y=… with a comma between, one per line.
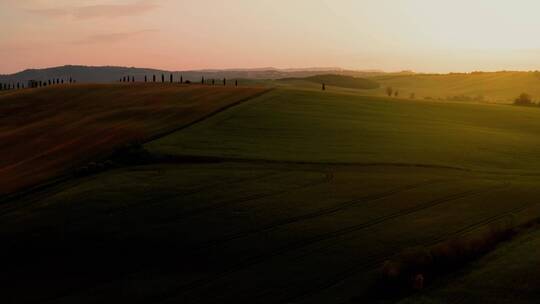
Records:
x=71, y=125
x=295, y=195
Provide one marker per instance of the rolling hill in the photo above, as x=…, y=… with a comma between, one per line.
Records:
x=294, y=196
x=341, y=81
x=47, y=131
x=496, y=87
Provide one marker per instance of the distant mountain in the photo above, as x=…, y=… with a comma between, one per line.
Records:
x=105, y=74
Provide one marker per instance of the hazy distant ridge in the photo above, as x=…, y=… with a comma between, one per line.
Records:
x=105, y=74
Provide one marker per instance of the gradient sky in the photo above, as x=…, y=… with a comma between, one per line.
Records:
x=391, y=35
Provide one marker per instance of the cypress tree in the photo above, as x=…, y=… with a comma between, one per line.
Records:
x=132, y=78
x=171, y=78
x=18, y=86
x=213, y=81
x=236, y=83
x=1, y=87
x=145, y=78
x=202, y=80
x=224, y=81
x=162, y=77
x=323, y=87
x=57, y=80
x=154, y=78
x=62, y=81
x=181, y=79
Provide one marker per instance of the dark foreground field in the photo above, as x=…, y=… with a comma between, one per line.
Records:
x=295, y=196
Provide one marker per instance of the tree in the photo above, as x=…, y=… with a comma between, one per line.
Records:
x=181, y=79
x=145, y=78
x=162, y=77
x=324, y=87
x=132, y=78
x=213, y=81
x=171, y=78
x=389, y=91
x=224, y=81
x=236, y=83
x=396, y=93
x=154, y=78
x=412, y=96
x=523, y=100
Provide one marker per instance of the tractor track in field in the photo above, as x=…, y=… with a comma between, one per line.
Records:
x=189, y=192
x=376, y=261
x=321, y=212
x=328, y=177
x=323, y=237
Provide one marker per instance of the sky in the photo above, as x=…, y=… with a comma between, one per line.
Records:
x=390, y=35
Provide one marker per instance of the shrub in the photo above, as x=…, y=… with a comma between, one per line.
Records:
x=523, y=100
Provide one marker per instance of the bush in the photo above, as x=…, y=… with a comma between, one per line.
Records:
x=523, y=100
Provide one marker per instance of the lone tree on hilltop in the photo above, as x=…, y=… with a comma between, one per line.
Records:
x=389, y=91
x=523, y=100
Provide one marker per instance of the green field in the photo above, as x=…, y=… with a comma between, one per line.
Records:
x=295, y=196
x=508, y=275
x=65, y=126
x=498, y=87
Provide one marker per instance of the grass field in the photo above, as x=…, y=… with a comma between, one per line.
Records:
x=64, y=126
x=295, y=196
x=508, y=275
x=309, y=126
x=500, y=87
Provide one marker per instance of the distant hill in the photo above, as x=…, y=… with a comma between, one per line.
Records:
x=344, y=81
x=107, y=74
x=500, y=87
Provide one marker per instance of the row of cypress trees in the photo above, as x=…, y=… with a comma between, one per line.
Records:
x=171, y=79
x=35, y=84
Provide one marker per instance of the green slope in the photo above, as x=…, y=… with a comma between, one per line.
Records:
x=507, y=275
x=500, y=87
x=315, y=126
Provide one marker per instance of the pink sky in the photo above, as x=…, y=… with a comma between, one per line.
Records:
x=421, y=35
